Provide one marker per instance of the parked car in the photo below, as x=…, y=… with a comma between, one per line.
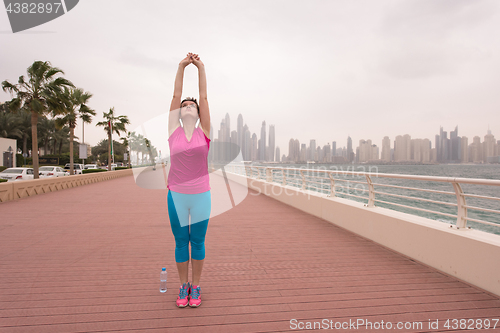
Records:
x=105, y=166
x=91, y=166
x=52, y=171
x=77, y=168
x=120, y=164
x=13, y=174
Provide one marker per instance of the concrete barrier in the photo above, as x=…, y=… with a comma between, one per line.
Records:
x=467, y=254
x=27, y=188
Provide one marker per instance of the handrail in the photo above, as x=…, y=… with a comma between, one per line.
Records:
x=305, y=181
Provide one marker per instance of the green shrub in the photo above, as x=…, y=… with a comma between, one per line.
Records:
x=3, y=180
x=20, y=160
x=121, y=168
x=93, y=170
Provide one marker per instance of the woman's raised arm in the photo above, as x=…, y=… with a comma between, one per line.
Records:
x=203, y=102
x=173, y=119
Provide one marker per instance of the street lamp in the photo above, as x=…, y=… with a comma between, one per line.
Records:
x=9, y=159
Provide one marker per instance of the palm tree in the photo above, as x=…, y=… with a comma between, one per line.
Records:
x=133, y=141
x=41, y=94
x=23, y=123
x=25, y=127
x=9, y=126
x=113, y=124
x=46, y=130
x=125, y=142
x=75, y=101
x=61, y=135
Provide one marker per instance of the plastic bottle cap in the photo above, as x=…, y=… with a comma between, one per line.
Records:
x=163, y=269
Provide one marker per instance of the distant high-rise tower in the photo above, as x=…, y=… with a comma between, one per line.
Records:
x=350, y=153
x=221, y=137
x=402, y=148
x=386, y=149
x=455, y=143
x=240, y=130
x=228, y=125
x=278, y=154
x=334, y=148
x=271, y=143
x=488, y=146
x=465, y=150
x=245, y=146
x=291, y=150
x=475, y=152
x=312, y=149
x=262, y=142
x=253, y=148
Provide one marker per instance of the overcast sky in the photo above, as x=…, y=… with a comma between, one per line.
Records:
x=315, y=69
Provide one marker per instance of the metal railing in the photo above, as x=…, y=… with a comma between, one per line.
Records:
x=323, y=181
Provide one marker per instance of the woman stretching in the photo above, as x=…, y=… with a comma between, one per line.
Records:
x=188, y=181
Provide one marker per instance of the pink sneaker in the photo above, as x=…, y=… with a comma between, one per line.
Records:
x=182, y=300
x=194, y=297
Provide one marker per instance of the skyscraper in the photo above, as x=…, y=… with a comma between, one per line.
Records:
x=312, y=149
x=271, y=143
x=350, y=153
x=488, y=146
x=303, y=152
x=475, y=152
x=246, y=144
x=465, y=149
x=386, y=149
x=455, y=144
x=262, y=142
x=240, y=130
x=402, y=148
x=253, y=148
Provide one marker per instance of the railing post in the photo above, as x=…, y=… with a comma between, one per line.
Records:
x=303, y=180
x=332, y=185
x=283, y=183
x=371, y=193
x=461, y=209
x=269, y=175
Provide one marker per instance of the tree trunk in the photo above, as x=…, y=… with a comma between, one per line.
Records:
x=34, y=143
x=71, y=136
x=109, y=151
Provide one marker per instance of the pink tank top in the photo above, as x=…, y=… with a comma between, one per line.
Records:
x=189, y=162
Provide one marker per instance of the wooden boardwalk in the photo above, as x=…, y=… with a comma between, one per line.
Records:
x=88, y=259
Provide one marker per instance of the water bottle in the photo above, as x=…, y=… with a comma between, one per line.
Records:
x=163, y=280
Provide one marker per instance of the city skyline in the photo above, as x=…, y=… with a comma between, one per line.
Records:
x=460, y=149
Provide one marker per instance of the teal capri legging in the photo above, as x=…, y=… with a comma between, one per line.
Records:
x=180, y=207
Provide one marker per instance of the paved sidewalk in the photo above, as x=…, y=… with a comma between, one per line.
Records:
x=88, y=259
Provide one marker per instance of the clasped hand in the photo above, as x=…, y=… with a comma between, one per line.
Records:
x=191, y=58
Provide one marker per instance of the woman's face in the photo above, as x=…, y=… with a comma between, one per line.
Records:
x=188, y=109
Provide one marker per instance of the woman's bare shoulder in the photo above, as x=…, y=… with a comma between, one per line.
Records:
x=207, y=133
x=172, y=130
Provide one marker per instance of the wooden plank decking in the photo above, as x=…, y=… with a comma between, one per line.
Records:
x=88, y=260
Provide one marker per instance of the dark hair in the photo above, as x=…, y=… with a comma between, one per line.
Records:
x=192, y=99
